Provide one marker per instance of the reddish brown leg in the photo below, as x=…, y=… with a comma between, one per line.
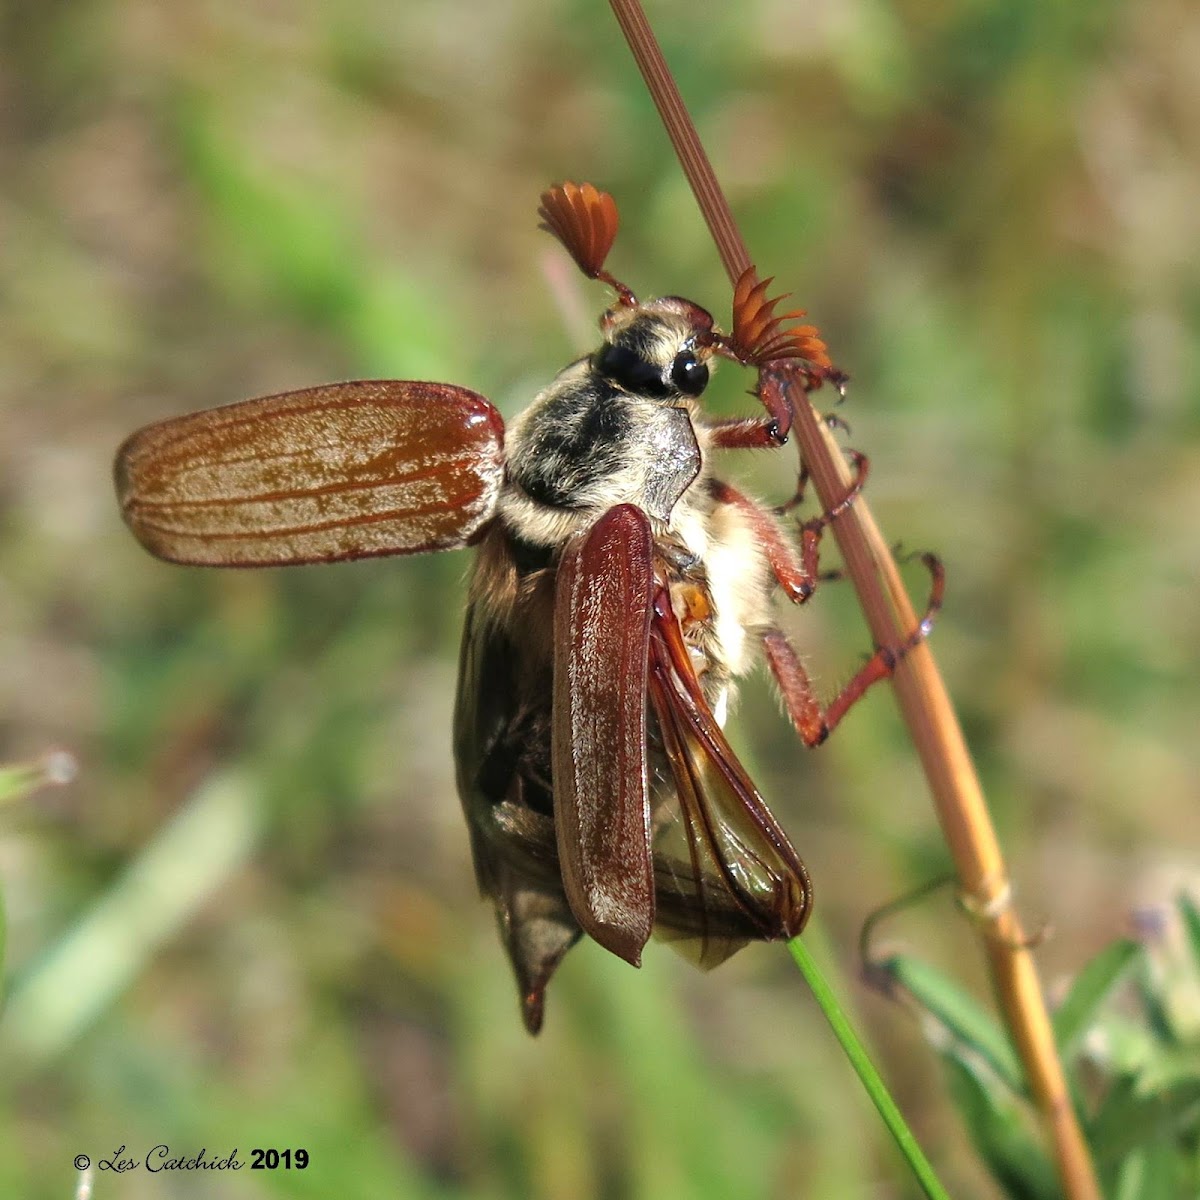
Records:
x=815, y=722
x=758, y=433
x=797, y=574
x=746, y=433
x=797, y=499
x=773, y=391
x=862, y=466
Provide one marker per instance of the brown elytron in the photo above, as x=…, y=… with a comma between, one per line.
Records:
x=619, y=590
x=348, y=470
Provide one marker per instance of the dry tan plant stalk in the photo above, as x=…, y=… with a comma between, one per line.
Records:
x=924, y=702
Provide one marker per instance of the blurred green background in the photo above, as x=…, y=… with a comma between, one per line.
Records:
x=251, y=920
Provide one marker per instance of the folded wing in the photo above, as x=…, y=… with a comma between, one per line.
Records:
x=725, y=872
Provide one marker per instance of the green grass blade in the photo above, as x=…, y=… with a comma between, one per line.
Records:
x=865, y=1069
x=18, y=780
x=193, y=855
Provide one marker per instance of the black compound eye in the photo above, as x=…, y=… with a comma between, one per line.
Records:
x=688, y=375
x=631, y=371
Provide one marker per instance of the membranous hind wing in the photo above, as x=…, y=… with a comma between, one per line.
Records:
x=501, y=749
x=601, y=808
x=348, y=470
x=550, y=743
x=724, y=871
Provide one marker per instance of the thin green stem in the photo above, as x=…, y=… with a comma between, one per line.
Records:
x=871, y=1080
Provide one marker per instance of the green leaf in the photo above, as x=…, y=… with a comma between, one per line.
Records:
x=1091, y=987
x=999, y=1129
x=1128, y=1121
x=1191, y=924
x=1151, y=992
x=961, y=1017
x=1170, y=1069
x=1149, y=1173
x=1127, y=1049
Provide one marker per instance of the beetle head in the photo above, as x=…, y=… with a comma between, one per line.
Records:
x=660, y=349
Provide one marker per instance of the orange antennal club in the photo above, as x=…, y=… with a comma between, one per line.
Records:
x=760, y=337
x=585, y=220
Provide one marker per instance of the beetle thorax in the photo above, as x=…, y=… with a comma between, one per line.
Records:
x=622, y=427
x=613, y=428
